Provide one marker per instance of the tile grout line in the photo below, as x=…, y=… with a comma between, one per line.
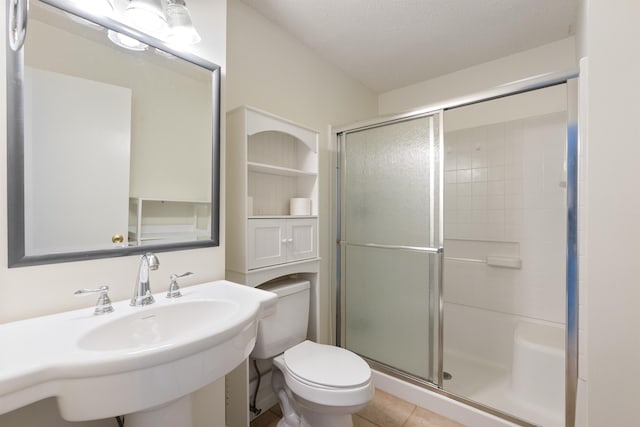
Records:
x=415, y=408
x=365, y=418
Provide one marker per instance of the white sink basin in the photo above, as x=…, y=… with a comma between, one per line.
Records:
x=158, y=325
x=133, y=359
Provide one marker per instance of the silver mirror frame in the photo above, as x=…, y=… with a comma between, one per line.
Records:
x=15, y=140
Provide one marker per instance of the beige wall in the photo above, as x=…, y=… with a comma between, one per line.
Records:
x=612, y=269
x=35, y=291
x=270, y=70
x=557, y=56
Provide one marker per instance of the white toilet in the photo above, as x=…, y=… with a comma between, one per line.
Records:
x=317, y=385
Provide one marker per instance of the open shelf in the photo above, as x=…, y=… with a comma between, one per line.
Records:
x=159, y=221
x=270, y=161
x=277, y=170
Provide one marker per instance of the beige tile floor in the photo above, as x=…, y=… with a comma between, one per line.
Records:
x=384, y=410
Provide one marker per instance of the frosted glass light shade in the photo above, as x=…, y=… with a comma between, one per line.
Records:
x=126, y=41
x=147, y=15
x=181, y=29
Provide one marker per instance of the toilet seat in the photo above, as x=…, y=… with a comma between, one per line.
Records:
x=326, y=365
x=326, y=375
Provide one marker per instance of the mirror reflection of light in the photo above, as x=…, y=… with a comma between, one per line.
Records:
x=126, y=41
x=165, y=54
x=167, y=20
x=147, y=15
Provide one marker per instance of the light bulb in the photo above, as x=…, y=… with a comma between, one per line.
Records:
x=147, y=15
x=181, y=26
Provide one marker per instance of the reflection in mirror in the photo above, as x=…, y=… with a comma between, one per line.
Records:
x=117, y=144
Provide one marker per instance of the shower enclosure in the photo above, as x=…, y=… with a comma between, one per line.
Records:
x=454, y=266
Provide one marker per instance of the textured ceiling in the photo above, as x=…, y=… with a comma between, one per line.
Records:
x=387, y=44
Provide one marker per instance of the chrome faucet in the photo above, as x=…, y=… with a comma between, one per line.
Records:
x=103, y=305
x=142, y=291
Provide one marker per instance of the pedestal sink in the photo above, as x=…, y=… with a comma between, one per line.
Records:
x=158, y=325
x=134, y=360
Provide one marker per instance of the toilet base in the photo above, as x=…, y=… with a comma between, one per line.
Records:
x=299, y=412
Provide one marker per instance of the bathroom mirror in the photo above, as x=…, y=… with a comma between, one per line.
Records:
x=111, y=151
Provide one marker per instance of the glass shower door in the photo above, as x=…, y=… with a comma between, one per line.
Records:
x=390, y=244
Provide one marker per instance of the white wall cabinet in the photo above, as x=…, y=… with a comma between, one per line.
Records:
x=270, y=160
x=275, y=241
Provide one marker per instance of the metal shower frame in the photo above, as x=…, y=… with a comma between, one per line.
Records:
x=568, y=77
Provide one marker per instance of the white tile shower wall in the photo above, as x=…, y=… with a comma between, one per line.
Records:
x=500, y=175
x=505, y=195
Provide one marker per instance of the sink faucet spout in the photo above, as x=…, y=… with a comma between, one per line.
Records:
x=142, y=290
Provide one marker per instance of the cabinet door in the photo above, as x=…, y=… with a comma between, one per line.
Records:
x=301, y=239
x=267, y=242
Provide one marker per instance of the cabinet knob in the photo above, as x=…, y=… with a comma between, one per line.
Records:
x=117, y=238
x=290, y=240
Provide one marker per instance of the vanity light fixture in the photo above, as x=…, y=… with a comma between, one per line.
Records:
x=167, y=20
x=181, y=29
x=148, y=16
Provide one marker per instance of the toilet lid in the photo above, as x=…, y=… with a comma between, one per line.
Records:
x=326, y=365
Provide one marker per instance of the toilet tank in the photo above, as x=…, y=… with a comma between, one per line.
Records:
x=288, y=325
